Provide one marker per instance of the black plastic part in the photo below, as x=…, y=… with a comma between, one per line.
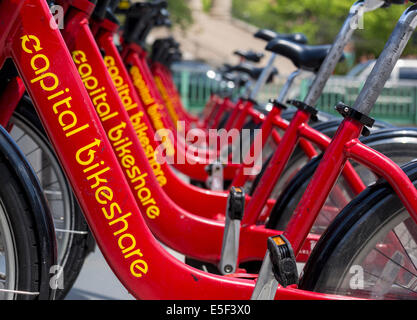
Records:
x=114, y=4
x=7, y=73
x=349, y=112
x=111, y=16
x=236, y=203
x=283, y=261
x=276, y=104
x=138, y=17
x=304, y=107
x=41, y=214
x=250, y=55
x=209, y=168
x=268, y=35
x=100, y=9
x=253, y=101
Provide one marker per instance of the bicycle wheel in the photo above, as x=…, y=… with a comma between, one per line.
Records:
x=370, y=250
x=27, y=240
x=72, y=235
x=398, y=144
x=18, y=246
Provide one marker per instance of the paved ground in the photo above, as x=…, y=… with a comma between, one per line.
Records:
x=214, y=39
x=97, y=282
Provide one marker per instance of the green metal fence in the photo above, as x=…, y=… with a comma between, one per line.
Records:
x=397, y=104
x=195, y=89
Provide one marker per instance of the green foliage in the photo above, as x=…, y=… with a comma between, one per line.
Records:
x=207, y=5
x=180, y=13
x=321, y=20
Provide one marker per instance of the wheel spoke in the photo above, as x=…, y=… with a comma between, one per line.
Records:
x=395, y=262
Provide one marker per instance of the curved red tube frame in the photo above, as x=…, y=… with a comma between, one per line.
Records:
x=207, y=201
x=345, y=145
x=163, y=80
x=195, y=230
x=163, y=71
x=193, y=235
x=70, y=119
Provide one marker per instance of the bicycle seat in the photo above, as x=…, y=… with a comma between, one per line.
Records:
x=229, y=76
x=268, y=35
x=254, y=72
x=303, y=56
x=250, y=55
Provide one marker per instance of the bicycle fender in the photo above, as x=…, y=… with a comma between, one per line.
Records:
x=42, y=217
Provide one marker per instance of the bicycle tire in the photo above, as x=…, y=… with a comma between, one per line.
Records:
x=359, y=235
x=72, y=255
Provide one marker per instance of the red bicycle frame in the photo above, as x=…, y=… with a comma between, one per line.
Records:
x=112, y=120
x=166, y=77
x=193, y=235
x=70, y=119
x=201, y=238
x=345, y=145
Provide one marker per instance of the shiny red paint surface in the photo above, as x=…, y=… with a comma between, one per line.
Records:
x=275, y=168
x=206, y=202
x=136, y=58
x=163, y=277
x=345, y=145
x=86, y=154
x=193, y=235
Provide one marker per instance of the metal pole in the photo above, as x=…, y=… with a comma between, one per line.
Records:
x=287, y=86
x=356, y=11
x=266, y=72
x=387, y=60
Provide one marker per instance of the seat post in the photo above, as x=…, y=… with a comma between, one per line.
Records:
x=386, y=61
x=283, y=94
x=342, y=39
x=266, y=72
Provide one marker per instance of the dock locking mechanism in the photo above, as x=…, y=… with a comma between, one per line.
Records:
x=215, y=181
x=231, y=235
x=279, y=267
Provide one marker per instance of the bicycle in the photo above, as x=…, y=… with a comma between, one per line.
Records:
x=87, y=122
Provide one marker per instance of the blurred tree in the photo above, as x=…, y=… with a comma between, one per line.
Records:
x=321, y=20
x=180, y=13
x=207, y=5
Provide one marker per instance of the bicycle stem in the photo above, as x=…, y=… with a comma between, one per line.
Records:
x=386, y=62
x=266, y=72
x=342, y=39
x=283, y=94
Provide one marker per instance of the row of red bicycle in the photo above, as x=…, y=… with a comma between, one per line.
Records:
x=95, y=143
